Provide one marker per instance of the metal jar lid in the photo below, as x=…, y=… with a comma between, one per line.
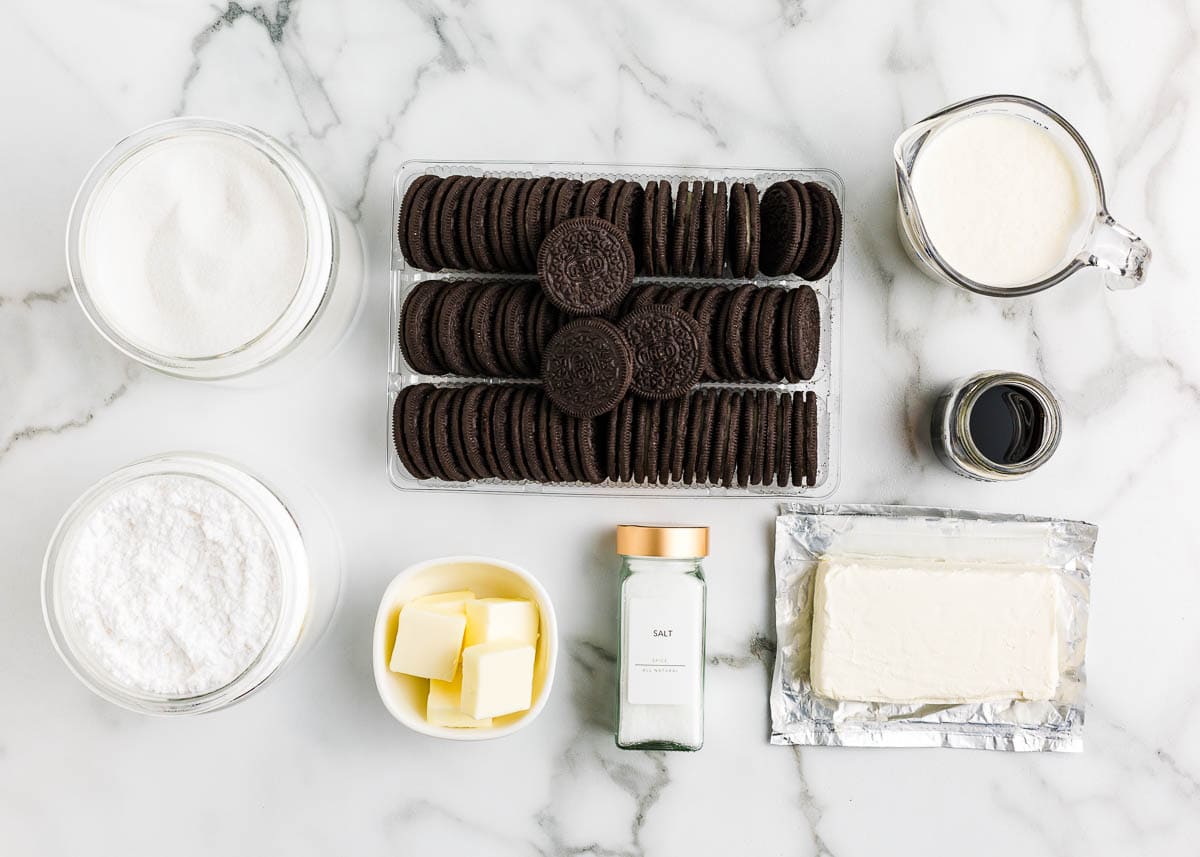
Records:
x=669, y=542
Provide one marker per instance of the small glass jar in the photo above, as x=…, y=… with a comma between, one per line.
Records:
x=327, y=298
x=661, y=650
x=309, y=557
x=958, y=437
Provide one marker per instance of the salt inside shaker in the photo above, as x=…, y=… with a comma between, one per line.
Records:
x=663, y=595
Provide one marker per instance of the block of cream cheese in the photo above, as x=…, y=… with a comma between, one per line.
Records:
x=490, y=619
x=497, y=678
x=908, y=631
x=444, y=707
x=428, y=641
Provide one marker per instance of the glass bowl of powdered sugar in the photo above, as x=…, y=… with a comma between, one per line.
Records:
x=182, y=583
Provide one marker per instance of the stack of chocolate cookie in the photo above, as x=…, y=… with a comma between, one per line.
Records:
x=754, y=333
x=465, y=327
x=698, y=229
x=618, y=363
x=513, y=432
x=492, y=431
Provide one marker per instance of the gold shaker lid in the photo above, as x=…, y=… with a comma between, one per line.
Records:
x=672, y=542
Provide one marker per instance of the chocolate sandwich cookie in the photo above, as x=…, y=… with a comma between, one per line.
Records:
x=591, y=198
x=804, y=330
x=487, y=445
x=587, y=367
x=784, y=427
x=669, y=351
x=414, y=328
x=646, y=245
x=691, y=246
x=625, y=439
x=753, y=259
x=770, y=440
x=641, y=429
x=471, y=447
x=454, y=431
x=411, y=229
x=720, y=229
x=679, y=438
x=799, y=440
x=680, y=226
x=448, y=237
x=611, y=440
x=608, y=205
x=733, y=332
x=750, y=334
x=806, y=219
x=828, y=235
x=738, y=242
x=502, y=411
x=720, y=441
x=812, y=439
x=766, y=352
x=556, y=442
x=706, y=245
x=666, y=437
x=462, y=222
x=627, y=215
x=530, y=443
x=481, y=202
x=762, y=404
x=404, y=432
x=564, y=203
x=504, y=231
x=734, y=442
x=589, y=451
x=484, y=346
x=433, y=218
x=448, y=466
x=550, y=204
x=423, y=441
x=699, y=427
x=448, y=327
x=662, y=228
x=492, y=225
x=782, y=229
x=585, y=266
x=533, y=215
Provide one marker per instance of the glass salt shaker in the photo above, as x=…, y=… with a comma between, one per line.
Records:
x=661, y=655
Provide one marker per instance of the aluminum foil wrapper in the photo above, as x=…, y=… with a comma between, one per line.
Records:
x=805, y=533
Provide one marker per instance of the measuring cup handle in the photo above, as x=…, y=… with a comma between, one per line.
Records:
x=1123, y=256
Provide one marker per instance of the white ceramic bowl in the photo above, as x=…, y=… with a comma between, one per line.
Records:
x=405, y=696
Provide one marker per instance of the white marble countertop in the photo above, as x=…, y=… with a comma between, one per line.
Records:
x=314, y=765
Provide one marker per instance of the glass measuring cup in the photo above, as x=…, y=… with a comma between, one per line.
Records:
x=1099, y=241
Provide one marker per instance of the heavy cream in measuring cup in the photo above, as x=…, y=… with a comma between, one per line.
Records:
x=1000, y=199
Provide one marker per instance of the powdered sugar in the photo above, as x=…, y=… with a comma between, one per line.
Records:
x=173, y=585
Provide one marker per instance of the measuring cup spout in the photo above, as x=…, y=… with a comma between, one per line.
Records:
x=1123, y=256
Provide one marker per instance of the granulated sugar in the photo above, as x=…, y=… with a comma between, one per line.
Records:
x=194, y=247
x=173, y=585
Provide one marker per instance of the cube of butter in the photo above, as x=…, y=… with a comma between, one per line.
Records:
x=444, y=707
x=451, y=601
x=497, y=678
x=490, y=619
x=428, y=642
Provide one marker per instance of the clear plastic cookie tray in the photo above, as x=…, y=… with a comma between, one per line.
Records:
x=826, y=380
